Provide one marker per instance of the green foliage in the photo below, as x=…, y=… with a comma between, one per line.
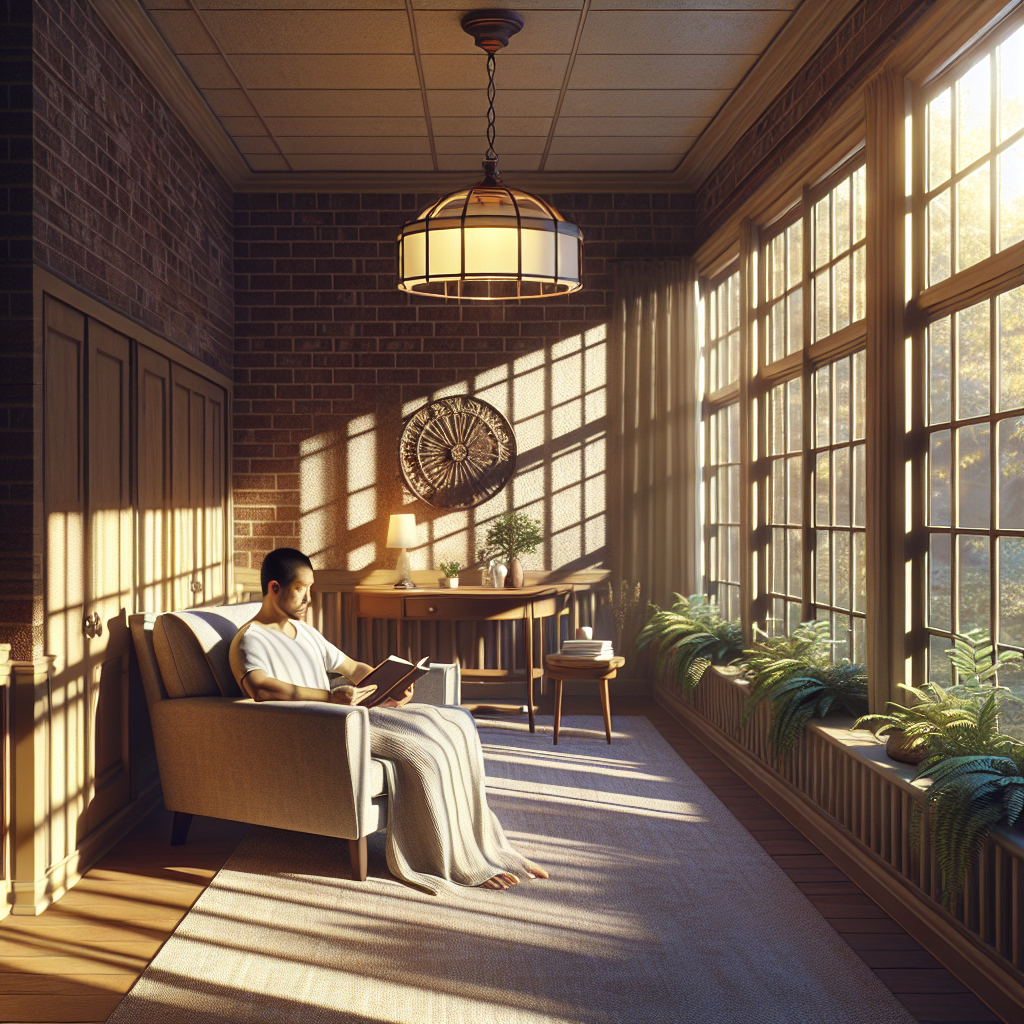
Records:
x=690, y=636
x=797, y=677
x=972, y=655
x=450, y=569
x=627, y=615
x=969, y=796
x=512, y=534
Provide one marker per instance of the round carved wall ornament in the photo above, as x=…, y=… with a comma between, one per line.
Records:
x=457, y=452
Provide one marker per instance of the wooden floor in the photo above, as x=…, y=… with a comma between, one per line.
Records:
x=75, y=962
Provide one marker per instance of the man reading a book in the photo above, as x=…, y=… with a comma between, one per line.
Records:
x=278, y=656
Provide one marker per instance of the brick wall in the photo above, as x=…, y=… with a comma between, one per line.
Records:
x=323, y=338
x=127, y=207
x=16, y=317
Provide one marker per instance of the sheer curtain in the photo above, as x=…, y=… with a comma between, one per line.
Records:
x=654, y=428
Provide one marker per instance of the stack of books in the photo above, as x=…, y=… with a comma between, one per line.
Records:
x=598, y=650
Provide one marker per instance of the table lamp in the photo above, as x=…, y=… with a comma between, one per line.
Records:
x=402, y=534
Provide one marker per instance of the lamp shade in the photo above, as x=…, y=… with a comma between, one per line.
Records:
x=402, y=531
x=490, y=242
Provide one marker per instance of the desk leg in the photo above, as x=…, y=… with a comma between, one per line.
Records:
x=528, y=627
x=558, y=707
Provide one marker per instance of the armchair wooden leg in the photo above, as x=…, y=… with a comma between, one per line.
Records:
x=357, y=853
x=179, y=828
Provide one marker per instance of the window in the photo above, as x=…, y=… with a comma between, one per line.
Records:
x=722, y=496
x=814, y=411
x=974, y=161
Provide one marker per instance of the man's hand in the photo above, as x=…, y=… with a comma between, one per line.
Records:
x=350, y=694
x=406, y=696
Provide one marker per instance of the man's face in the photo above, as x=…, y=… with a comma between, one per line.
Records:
x=294, y=598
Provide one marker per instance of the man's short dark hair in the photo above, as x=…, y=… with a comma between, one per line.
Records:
x=282, y=565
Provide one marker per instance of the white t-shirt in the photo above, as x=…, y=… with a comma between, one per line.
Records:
x=304, y=661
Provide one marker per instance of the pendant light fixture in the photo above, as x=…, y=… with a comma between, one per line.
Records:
x=490, y=241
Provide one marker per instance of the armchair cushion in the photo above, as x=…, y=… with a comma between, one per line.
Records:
x=192, y=649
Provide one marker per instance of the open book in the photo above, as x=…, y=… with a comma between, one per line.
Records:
x=392, y=677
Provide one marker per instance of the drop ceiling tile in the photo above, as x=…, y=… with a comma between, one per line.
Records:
x=624, y=162
x=337, y=102
x=643, y=102
x=209, y=71
x=658, y=71
x=262, y=32
x=243, y=126
x=268, y=163
x=285, y=127
x=524, y=103
x=456, y=162
x=184, y=32
x=694, y=5
x=512, y=71
x=477, y=126
x=680, y=31
x=327, y=71
x=361, y=162
x=620, y=144
x=521, y=5
x=354, y=144
x=544, y=32
x=228, y=102
x=640, y=125
x=255, y=144
x=516, y=144
x=295, y=5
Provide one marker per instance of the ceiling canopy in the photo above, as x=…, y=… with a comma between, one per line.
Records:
x=342, y=92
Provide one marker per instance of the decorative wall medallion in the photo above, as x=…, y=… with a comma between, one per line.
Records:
x=457, y=452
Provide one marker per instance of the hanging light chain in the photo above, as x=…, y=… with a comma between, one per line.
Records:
x=490, y=154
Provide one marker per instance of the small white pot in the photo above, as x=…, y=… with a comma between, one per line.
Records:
x=451, y=582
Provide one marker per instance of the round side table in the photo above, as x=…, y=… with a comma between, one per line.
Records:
x=560, y=667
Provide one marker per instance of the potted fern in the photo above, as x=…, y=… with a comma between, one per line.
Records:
x=690, y=636
x=796, y=676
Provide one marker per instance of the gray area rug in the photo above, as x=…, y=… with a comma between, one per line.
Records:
x=661, y=907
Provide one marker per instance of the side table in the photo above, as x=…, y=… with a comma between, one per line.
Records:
x=560, y=667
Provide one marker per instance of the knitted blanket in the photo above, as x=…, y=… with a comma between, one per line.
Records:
x=440, y=829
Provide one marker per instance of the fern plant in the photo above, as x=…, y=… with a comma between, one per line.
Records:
x=690, y=636
x=797, y=677
x=973, y=656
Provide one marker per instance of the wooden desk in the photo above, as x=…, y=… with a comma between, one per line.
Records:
x=469, y=604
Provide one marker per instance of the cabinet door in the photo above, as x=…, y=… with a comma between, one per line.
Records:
x=197, y=489
x=153, y=441
x=65, y=570
x=109, y=554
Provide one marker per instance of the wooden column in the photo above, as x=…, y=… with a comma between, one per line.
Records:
x=886, y=389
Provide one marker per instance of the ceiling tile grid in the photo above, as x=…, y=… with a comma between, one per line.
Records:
x=391, y=85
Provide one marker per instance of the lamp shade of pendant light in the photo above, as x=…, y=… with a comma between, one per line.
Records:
x=490, y=241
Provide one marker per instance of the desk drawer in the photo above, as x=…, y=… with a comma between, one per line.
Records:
x=464, y=608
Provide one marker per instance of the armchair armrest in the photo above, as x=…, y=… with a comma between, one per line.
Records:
x=300, y=765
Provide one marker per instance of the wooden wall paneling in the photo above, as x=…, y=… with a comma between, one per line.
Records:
x=153, y=481
x=111, y=570
x=60, y=727
x=183, y=526
x=213, y=563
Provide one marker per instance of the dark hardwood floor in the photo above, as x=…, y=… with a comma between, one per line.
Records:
x=75, y=962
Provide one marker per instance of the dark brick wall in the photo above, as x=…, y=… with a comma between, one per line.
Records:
x=323, y=335
x=839, y=66
x=16, y=436
x=127, y=207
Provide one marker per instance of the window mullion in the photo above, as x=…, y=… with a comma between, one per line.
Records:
x=807, y=545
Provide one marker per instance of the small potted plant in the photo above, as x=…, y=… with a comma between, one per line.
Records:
x=451, y=574
x=510, y=535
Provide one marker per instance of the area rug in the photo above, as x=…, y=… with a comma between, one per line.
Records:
x=661, y=907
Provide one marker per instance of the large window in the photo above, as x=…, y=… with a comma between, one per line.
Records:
x=722, y=496
x=969, y=357
x=812, y=381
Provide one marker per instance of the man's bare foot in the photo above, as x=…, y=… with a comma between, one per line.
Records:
x=536, y=871
x=503, y=881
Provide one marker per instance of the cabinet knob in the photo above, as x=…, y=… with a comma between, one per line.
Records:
x=196, y=586
x=92, y=625
x=432, y=609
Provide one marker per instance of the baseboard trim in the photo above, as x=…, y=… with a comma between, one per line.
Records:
x=31, y=898
x=995, y=981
